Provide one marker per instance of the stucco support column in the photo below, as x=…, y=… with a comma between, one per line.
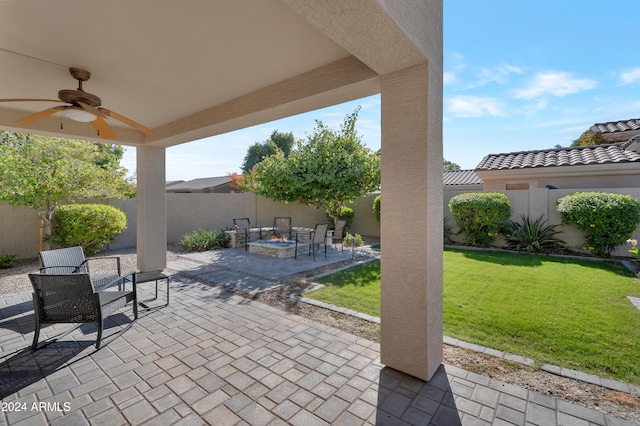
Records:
x=411, y=220
x=152, y=210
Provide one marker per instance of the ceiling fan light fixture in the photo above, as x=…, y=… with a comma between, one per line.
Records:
x=78, y=114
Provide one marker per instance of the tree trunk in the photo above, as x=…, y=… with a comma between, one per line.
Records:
x=47, y=226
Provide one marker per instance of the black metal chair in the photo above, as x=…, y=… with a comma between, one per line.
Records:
x=243, y=229
x=71, y=260
x=70, y=298
x=338, y=233
x=282, y=227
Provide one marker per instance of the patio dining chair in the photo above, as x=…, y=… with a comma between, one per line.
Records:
x=282, y=227
x=69, y=298
x=318, y=237
x=338, y=233
x=71, y=260
x=243, y=229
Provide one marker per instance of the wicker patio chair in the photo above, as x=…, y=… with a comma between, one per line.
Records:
x=69, y=298
x=338, y=233
x=243, y=228
x=282, y=227
x=71, y=260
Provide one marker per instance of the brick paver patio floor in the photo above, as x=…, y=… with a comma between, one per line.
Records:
x=211, y=357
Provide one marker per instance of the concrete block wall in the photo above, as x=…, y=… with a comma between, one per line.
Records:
x=19, y=231
x=19, y=226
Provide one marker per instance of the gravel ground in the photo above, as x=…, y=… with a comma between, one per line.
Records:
x=619, y=404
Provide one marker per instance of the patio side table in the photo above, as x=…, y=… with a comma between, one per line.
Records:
x=145, y=277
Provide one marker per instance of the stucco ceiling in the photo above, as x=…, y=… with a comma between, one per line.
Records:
x=169, y=65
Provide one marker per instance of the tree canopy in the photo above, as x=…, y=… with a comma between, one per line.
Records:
x=329, y=169
x=42, y=172
x=261, y=150
x=450, y=165
x=590, y=138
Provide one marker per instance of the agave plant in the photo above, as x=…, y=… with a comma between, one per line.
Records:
x=533, y=236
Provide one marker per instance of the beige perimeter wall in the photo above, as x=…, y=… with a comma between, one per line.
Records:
x=19, y=226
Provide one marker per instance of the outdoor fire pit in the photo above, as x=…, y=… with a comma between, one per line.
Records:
x=279, y=248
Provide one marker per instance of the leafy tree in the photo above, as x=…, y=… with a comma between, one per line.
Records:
x=329, y=169
x=450, y=165
x=260, y=150
x=13, y=138
x=590, y=138
x=43, y=172
x=109, y=155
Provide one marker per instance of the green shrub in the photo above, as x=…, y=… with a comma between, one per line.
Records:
x=91, y=226
x=607, y=219
x=7, y=261
x=532, y=235
x=352, y=241
x=480, y=216
x=344, y=213
x=376, y=208
x=204, y=240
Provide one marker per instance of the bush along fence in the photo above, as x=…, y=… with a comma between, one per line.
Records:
x=606, y=222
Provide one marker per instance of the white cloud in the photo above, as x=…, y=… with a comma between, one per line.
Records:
x=449, y=78
x=473, y=106
x=630, y=76
x=554, y=83
x=499, y=74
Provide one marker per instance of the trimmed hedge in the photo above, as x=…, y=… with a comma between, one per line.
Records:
x=91, y=226
x=480, y=216
x=607, y=219
x=376, y=208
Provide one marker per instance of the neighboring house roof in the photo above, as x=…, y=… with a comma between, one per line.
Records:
x=199, y=185
x=617, y=126
x=461, y=177
x=573, y=156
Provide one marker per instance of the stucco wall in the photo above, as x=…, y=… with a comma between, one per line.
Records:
x=185, y=213
x=573, y=182
x=542, y=201
x=188, y=212
x=608, y=175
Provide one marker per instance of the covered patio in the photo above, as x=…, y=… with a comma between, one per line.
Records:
x=214, y=357
x=192, y=69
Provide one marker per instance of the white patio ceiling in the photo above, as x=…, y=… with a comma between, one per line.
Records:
x=186, y=69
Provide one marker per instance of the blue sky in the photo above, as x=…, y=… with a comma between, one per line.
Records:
x=517, y=76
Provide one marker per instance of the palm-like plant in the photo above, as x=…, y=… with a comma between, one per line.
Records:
x=532, y=236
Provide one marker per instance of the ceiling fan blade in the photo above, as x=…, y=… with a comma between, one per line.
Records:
x=104, y=130
x=40, y=115
x=91, y=110
x=31, y=100
x=128, y=121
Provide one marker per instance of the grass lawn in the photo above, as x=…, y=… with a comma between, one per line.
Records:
x=571, y=313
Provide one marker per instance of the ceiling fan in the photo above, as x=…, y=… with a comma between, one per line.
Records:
x=82, y=106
